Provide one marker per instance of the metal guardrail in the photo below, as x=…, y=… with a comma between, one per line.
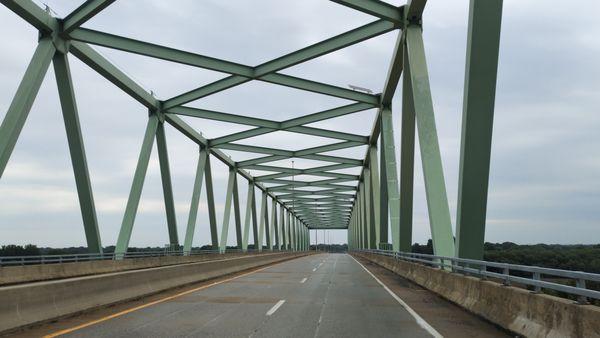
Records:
x=55, y=259
x=482, y=269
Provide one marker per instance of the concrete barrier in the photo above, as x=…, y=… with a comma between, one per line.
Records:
x=518, y=310
x=25, y=304
x=32, y=273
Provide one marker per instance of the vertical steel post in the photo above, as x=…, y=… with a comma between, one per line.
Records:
x=478, y=114
x=282, y=226
x=407, y=160
x=381, y=235
x=227, y=210
x=369, y=211
x=136, y=187
x=193, y=215
x=236, y=212
x=77, y=150
x=248, y=218
x=435, y=187
x=23, y=100
x=210, y=201
x=274, y=225
x=263, y=217
x=388, y=152
x=289, y=232
x=165, y=174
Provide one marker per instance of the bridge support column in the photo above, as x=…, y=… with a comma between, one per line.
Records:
x=435, y=187
x=407, y=159
x=289, y=233
x=77, y=151
x=193, y=215
x=263, y=219
x=274, y=225
x=250, y=217
x=477, y=120
x=381, y=234
x=281, y=227
x=370, y=215
x=210, y=201
x=23, y=100
x=227, y=211
x=389, y=170
x=136, y=187
x=165, y=174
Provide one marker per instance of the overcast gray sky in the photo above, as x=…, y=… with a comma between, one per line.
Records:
x=545, y=169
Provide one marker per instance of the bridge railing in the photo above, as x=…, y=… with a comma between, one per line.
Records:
x=520, y=275
x=56, y=259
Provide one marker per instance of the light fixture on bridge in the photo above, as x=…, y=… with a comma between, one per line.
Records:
x=360, y=89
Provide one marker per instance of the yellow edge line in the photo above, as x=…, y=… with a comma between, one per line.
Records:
x=124, y=312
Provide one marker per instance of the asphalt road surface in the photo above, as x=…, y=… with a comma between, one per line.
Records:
x=326, y=295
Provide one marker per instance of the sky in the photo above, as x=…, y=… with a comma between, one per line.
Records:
x=545, y=165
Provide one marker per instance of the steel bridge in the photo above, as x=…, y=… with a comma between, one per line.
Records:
x=369, y=204
x=375, y=206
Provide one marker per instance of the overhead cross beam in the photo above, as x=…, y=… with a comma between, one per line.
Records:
x=377, y=197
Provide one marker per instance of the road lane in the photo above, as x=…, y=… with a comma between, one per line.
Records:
x=339, y=298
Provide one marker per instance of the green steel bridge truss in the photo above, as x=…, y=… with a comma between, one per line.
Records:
x=366, y=204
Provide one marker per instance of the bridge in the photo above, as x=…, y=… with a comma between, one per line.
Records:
x=273, y=283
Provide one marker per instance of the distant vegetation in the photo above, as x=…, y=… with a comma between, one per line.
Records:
x=568, y=257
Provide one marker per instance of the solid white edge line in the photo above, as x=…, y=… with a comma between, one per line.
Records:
x=303, y=280
x=275, y=307
x=422, y=323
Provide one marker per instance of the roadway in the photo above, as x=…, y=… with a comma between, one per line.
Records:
x=326, y=295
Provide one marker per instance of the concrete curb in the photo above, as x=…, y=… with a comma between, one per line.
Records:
x=26, y=304
x=515, y=309
x=32, y=273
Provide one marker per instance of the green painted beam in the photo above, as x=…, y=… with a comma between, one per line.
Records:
x=83, y=13
x=413, y=10
x=380, y=233
x=227, y=210
x=326, y=115
x=160, y=52
x=193, y=214
x=483, y=45
x=394, y=72
x=330, y=45
x=407, y=159
x=274, y=225
x=206, y=90
x=236, y=212
x=391, y=173
x=376, y=8
x=321, y=88
x=435, y=187
x=135, y=193
x=210, y=201
x=248, y=218
x=265, y=159
x=101, y=65
x=165, y=173
x=265, y=71
x=282, y=226
x=33, y=14
x=19, y=108
x=77, y=150
x=224, y=117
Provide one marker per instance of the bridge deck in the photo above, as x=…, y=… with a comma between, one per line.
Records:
x=315, y=296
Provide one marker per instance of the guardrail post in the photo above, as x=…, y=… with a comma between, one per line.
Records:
x=506, y=272
x=537, y=277
x=580, y=283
